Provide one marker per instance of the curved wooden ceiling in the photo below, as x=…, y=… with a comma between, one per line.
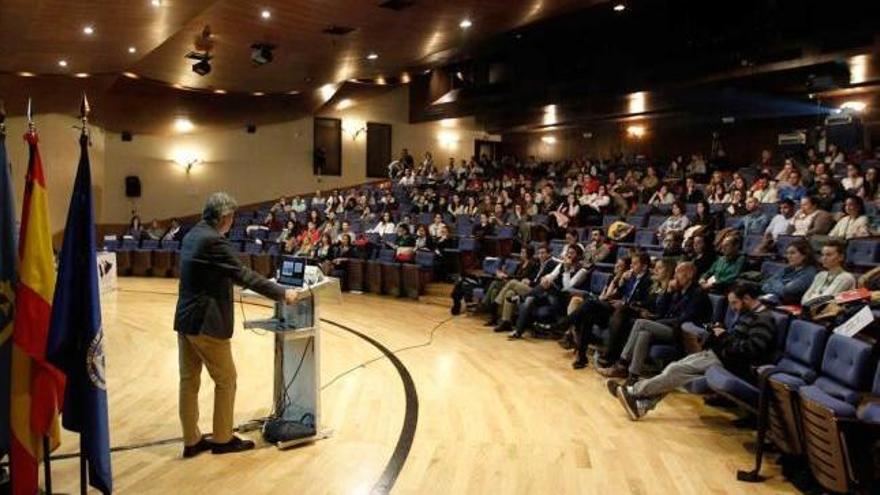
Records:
x=35, y=34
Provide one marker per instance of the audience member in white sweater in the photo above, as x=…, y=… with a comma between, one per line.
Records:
x=834, y=279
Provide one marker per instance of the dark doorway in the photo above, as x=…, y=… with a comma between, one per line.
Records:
x=327, y=146
x=378, y=149
x=488, y=148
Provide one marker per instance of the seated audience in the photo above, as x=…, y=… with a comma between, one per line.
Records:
x=726, y=268
x=174, y=232
x=700, y=253
x=509, y=296
x=810, y=220
x=787, y=286
x=135, y=229
x=552, y=290
x=684, y=301
x=677, y=221
x=834, y=279
x=854, y=223
x=385, y=225
x=741, y=350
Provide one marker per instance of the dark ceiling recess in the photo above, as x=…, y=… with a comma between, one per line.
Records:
x=396, y=4
x=338, y=30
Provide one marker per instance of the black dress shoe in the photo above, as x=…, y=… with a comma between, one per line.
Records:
x=456, y=308
x=505, y=326
x=203, y=445
x=234, y=445
x=612, y=387
x=492, y=322
x=579, y=363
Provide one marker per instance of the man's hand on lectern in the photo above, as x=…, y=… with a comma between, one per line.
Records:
x=291, y=296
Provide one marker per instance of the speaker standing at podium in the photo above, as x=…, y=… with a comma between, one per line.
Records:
x=204, y=322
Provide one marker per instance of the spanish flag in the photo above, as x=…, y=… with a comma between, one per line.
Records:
x=37, y=387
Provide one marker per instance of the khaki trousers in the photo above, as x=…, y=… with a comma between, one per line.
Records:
x=216, y=355
x=512, y=288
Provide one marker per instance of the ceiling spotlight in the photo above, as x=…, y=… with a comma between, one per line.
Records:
x=202, y=66
x=344, y=103
x=265, y=14
x=261, y=53
x=465, y=23
x=258, y=93
x=619, y=7
x=183, y=125
x=62, y=63
x=131, y=75
x=220, y=91
x=89, y=30
x=26, y=74
x=81, y=75
x=294, y=92
x=132, y=49
x=156, y=3
x=372, y=56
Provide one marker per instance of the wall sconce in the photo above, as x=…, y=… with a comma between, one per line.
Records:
x=353, y=128
x=187, y=159
x=550, y=140
x=635, y=131
x=448, y=139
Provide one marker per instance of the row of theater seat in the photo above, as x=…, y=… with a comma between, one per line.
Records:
x=814, y=388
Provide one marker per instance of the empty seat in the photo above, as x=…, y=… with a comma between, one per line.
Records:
x=824, y=404
x=803, y=350
x=863, y=252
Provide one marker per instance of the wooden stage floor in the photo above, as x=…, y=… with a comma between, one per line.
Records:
x=494, y=416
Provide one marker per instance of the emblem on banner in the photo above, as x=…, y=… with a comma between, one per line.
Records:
x=95, y=361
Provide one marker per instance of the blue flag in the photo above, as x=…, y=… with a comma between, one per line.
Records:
x=8, y=265
x=76, y=340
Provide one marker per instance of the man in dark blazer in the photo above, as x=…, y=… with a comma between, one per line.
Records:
x=684, y=301
x=633, y=290
x=204, y=322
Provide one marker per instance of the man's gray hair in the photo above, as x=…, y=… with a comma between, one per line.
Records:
x=218, y=205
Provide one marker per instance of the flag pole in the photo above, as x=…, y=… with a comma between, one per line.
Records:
x=47, y=466
x=83, y=461
x=47, y=462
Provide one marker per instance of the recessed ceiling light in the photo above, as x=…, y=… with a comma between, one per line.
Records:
x=156, y=3
x=372, y=56
x=81, y=75
x=26, y=74
x=465, y=23
x=220, y=91
x=619, y=7
x=183, y=125
x=62, y=63
x=258, y=93
x=89, y=30
x=132, y=49
x=131, y=75
x=265, y=14
x=294, y=92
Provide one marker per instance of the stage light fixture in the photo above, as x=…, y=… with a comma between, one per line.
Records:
x=261, y=53
x=132, y=49
x=372, y=56
x=89, y=30
x=202, y=67
x=619, y=7
x=465, y=24
x=266, y=14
